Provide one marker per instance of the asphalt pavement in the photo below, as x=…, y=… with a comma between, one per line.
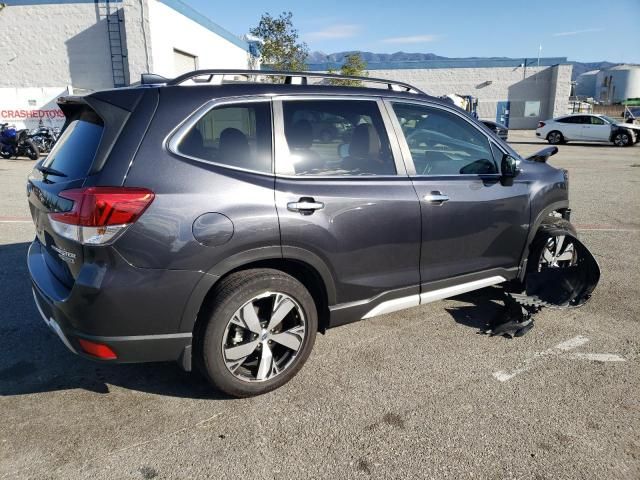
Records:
x=414, y=394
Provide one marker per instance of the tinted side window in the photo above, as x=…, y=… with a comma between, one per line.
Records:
x=237, y=135
x=442, y=143
x=571, y=120
x=74, y=152
x=596, y=121
x=335, y=137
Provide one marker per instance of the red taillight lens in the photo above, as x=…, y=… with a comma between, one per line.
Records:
x=541, y=124
x=102, y=206
x=100, y=214
x=98, y=350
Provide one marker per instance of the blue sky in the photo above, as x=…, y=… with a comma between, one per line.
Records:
x=582, y=30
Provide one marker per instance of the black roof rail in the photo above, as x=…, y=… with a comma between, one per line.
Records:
x=151, y=79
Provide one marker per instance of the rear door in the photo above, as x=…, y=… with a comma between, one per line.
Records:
x=571, y=127
x=471, y=223
x=345, y=198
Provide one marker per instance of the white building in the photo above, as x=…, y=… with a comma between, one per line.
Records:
x=50, y=47
x=617, y=84
x=586, y=84
x=517, y=93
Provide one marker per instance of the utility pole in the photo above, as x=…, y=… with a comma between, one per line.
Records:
x=539, y=52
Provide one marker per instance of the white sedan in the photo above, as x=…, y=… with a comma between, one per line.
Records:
x=588, y=128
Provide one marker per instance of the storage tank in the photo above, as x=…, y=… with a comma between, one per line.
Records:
x=586, y=84
x=616, y=84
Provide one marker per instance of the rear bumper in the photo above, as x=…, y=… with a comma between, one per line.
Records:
x=129, y=349
x=120, y=311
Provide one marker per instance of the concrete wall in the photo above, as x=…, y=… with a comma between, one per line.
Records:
x=50, y=44
x=171, y=30
x=549, y=85
x=54, y=44
x=137, y=38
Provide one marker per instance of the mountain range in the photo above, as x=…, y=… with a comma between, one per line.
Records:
x=370, y=57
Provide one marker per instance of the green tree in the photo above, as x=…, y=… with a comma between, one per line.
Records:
x=354, y=66
x=280, y=48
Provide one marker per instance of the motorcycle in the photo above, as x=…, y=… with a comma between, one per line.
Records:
x=16, y=143
x=45, y=138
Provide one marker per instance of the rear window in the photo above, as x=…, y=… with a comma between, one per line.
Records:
x=236, y=135
x=74, y=152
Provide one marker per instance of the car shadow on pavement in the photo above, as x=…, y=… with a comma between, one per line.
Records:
x=34, y=360
x=483, y=306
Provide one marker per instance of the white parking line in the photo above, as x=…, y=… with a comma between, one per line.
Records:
x=558, y=350
x=598, y=357
x=572, y=343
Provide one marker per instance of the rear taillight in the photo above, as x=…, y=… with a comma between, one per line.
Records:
x=100, y=214
x=540, y=124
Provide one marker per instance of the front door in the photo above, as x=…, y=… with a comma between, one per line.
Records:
x=345, y=199
x=471, y=223
x=595, y=129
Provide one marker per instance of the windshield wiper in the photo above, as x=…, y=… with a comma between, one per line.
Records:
x=51, y=171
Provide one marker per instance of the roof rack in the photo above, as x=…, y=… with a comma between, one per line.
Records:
x=290, y=78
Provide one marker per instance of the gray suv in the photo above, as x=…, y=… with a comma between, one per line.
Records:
x=204, y=221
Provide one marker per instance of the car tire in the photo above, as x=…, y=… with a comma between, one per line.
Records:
x=244, y=358
x=555, y=137
x=622, y=139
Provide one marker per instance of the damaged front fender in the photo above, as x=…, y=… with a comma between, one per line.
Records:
x=561, y=273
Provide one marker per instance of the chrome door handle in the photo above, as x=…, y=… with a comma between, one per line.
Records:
x=436, y=198
x=305, y=206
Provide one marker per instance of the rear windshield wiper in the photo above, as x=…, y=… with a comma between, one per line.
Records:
x=51, y=171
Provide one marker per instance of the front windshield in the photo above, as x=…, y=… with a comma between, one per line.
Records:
x=609, y=119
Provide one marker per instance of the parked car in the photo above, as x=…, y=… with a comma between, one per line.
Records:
x=216, y=229
x=500, y=130
x=588, y=128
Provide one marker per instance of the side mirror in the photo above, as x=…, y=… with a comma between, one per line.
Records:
x=508, y=169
